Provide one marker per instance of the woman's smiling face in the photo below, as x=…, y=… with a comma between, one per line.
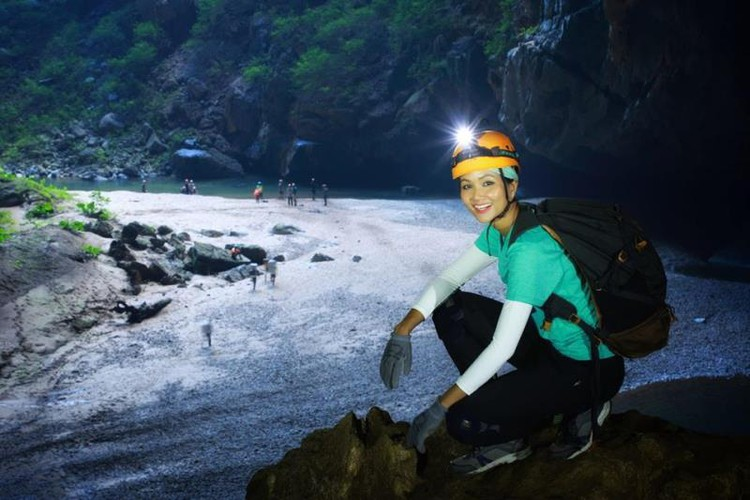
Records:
x=484, y=195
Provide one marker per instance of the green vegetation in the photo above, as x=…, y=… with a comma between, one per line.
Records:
x=91, y=251
x=59, y=62
x=95, y=207
x=43, y=210
x=49, y=196
x=74, y=226
x=341, y=45
x=7, y=225
x=257, y=72
x=208, y=11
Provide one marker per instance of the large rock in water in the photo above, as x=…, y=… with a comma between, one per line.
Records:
x=636, y=457
x=204, y=164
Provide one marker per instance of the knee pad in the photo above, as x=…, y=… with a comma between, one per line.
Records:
x=469, y=430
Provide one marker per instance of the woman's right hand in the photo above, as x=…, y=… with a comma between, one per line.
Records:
x=396, y=359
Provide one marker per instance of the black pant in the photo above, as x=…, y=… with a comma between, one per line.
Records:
x=544, y=383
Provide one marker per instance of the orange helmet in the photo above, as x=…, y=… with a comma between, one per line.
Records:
x=490, y=149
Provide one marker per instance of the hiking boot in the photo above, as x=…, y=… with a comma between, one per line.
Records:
x=577, y=435
x=487, y=457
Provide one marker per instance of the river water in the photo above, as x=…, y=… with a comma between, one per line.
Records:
x=241, y=188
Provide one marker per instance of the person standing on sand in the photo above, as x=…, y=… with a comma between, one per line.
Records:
x=313, y=187
x=289, y=195
x=271, y=269
x=281, y=189
x=254, y=273
x=325, y=194
x=294, y=194
x=258, y=192
x=553, y=375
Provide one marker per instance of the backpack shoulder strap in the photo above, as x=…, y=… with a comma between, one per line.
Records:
x=526, y=219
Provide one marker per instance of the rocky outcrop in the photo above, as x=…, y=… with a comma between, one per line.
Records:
x=11, y=195
x=208, y=259
x=632, y=81
x=636, y=457
x=204, y=164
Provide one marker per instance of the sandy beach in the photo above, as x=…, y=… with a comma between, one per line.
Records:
x=151, y=409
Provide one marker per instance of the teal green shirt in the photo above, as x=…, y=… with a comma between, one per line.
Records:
x=534, y=267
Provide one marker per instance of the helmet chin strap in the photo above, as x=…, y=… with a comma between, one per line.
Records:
x=507, y=206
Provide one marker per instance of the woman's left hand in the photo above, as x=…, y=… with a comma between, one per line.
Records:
x=424, y=425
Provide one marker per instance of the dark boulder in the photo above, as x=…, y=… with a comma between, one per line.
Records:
x=137, y=272
x=240, y=273
x=119, y=251
x=285, y=229
x=208, y=259
x=11, y=195
x=101, y=228
x=164, y=230
x=110, y=122
x=636, y=457
x=167, y=272
x=136, y=314
x=319, y=257
x=253, y=253
x=134, y=229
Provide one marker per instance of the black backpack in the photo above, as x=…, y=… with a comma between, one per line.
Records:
x=620, y=265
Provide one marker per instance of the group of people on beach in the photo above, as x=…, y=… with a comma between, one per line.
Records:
x=289, y=191
x=188, y=187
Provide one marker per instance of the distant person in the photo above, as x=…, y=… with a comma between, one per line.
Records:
x=254, y=273
x=271, y=268
x=325, y=194
x=207, y=329
x=281, y=189
x=192, y=189
x=258, y=192
x=554, y=368
x=289, y=195
x=185, y=189
x=313, y=187
x=144, y=188
x=294, y=194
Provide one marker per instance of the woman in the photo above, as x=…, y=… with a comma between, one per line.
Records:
x=553, y=367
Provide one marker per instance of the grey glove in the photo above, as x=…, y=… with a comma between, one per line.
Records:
x=396, y=360
x=424, y=425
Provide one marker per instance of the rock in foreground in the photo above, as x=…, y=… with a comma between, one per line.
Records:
x=636, y=457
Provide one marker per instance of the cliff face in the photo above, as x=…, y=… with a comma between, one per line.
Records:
x=635, y=101
x=637, y=457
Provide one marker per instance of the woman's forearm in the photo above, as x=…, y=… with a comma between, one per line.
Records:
x=412, y=319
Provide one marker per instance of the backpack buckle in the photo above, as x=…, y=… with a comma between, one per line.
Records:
x=574, y=318
x=622, y=256
x=640, y=244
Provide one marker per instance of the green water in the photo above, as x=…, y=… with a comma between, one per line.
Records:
x=231, y=188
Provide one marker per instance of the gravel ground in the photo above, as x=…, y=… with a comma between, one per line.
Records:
x=150, y=410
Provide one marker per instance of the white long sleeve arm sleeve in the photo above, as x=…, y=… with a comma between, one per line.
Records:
x=466, y=266
x=508, y=333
